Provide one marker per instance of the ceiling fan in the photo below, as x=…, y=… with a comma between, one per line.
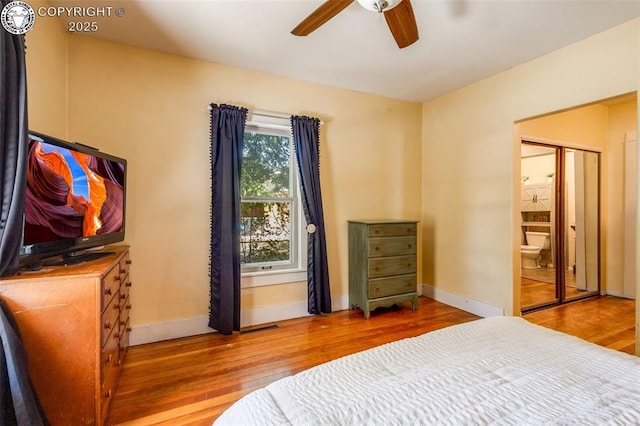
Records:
x=397, y=13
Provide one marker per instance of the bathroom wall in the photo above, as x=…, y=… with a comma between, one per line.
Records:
x=538, y=168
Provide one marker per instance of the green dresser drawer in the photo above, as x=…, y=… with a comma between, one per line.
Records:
x=392, y=229
x=391, y=246
x=396, y=265
x=382, y=287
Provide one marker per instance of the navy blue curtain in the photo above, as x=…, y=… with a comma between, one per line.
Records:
x=306, y=140
x=227, y=130
x=13, y=145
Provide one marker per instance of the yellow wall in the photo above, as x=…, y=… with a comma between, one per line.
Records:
x=585, y=127
x=602, y=127
x=47, y=76
x=150, y=108
x=471, y=172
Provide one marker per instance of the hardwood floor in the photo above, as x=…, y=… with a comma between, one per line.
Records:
x=538, y=287
x=607, y=321
x=191, y=381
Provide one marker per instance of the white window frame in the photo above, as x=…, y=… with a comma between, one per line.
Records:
x=296, y=270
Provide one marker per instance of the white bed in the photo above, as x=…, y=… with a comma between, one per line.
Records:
x=499, y=371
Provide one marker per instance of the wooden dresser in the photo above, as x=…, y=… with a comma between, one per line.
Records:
x=74, y=322
x=382, y=264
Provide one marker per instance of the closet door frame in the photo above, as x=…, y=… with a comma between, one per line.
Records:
x=560, y=225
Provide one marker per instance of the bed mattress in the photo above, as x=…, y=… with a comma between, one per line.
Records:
x=498, y=370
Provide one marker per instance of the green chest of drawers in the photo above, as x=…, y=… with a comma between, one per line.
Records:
x=382, y=264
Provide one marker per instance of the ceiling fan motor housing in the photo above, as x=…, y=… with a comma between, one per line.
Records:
x=378, y=5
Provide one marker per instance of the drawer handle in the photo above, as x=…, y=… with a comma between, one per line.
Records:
x=107, y=394
x=123, y=296
x=128, y=261
x=128, y=306
x=115, y=307
x=129, y=329
x=409, y=246
x=128, y=284
x=108, y=291
x=377, y=248
x=107, y=325
x=122, y=271
x=108, y=360
x=117, y=278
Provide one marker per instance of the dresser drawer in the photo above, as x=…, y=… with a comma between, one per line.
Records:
x=391, y=246
x=110, y=285
x=392, y=229
x=125, y=332
x=124, y=302
x=108, y=387
x=125, y=262
x=125, y=307
x=124, y=288
x=396, y=265
x=109, y=356
x=110, y=319
x=382, y=287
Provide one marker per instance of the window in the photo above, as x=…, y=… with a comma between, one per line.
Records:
x=269, y=205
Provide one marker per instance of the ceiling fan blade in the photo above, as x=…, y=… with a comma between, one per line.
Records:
x=402, y=24
x=320, y=16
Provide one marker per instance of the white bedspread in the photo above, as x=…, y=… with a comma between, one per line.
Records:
x=499, y=371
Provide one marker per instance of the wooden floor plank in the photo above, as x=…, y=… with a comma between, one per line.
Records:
x=607, y=321
x=191, y=381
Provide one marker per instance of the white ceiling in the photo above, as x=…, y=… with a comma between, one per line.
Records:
x=461, y=41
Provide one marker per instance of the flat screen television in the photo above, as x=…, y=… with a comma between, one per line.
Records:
x=74, y=202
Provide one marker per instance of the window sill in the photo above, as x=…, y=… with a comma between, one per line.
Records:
x=259, y=279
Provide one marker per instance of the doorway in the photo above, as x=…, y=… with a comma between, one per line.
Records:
x=560, y=224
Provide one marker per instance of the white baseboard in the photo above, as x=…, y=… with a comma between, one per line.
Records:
x=176, y=329
x=168, y=330
x=464, y=303
x=268, y=314
x=616, y=294
x=200, y=325
x=275, y=313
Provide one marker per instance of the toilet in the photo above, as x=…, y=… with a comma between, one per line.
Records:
x=530, y=253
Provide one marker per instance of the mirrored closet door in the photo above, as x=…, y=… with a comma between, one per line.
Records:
x=582, y=236
x=560, y=236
